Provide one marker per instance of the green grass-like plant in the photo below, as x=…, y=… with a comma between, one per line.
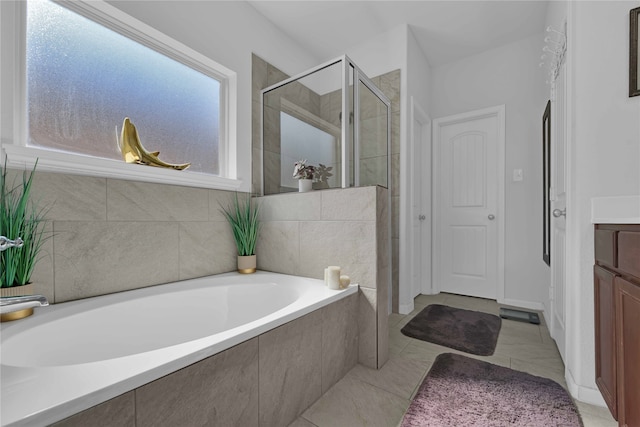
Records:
x=19, y=217
x=243, y=218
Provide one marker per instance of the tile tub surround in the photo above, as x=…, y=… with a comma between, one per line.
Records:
x=302, y=233
x=113, y=235
x=267, y=381
x=265, y=75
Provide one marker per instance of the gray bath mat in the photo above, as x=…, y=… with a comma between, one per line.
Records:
x=461, y=391
x=465, y=330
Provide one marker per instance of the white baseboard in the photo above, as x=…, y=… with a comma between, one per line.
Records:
x=584, y=394
x=529, y=305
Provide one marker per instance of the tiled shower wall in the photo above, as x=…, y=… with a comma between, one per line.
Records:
x=328, y=107
x=302, y=233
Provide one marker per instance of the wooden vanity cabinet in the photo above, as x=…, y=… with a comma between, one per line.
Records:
x=617, y=319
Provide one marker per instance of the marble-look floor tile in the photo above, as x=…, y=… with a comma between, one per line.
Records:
x=394, y=318
x=595, y=416
x=301, y=422
x=514, y=332
x=400, y=375
x=354, y=403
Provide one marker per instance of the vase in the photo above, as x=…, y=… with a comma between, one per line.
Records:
x=16, y=291
x=246, y=264
x=305, y=185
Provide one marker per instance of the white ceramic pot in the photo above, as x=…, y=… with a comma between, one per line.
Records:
x=305, y=185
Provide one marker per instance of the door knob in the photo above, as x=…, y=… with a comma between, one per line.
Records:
x=491, y=217
x=557, y=213
x=422, y=217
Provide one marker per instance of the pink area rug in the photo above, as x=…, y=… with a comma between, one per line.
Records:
x=465, y=330
x=460, y=391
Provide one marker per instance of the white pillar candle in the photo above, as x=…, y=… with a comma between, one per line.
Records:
x=333, y=277
x=344, y=281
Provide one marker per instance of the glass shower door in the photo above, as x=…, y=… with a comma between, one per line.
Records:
x=373, y=136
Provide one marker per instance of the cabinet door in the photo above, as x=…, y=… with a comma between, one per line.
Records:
x=606, y=377
x=628, y=334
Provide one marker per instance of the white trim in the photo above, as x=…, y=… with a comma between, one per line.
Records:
x=405, y=299
x=54, y=161
x=588, y=395
x=499, y=112
x=14, y=146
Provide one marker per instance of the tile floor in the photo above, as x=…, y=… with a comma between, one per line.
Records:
x=368, y=397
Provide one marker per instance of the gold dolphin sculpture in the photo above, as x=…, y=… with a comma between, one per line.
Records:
x=133, y=151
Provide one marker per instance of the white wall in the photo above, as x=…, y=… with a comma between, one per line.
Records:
x=604, y=155
x=227, y=32
x=508, y=75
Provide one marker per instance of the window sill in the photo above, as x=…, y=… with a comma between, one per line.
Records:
x=60, y=162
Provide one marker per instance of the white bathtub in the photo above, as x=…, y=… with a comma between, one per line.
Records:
x=69, y=357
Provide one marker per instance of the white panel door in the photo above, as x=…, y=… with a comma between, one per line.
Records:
x=558, y=204
x=467, y=251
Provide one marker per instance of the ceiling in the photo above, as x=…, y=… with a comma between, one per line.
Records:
x=445, y=30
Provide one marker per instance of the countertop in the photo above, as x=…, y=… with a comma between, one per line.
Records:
x=615, y=210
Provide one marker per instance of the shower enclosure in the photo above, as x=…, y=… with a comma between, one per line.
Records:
x=303, y=118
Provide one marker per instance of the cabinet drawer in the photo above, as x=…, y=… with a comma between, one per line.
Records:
x=629, y=252
x=606, y=247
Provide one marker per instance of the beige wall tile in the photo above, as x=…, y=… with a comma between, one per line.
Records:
x=117, y=412
x=43, y=273
x=351, y=204
x=395, y=217
x=339, y=340
x=278, y=247
x=206, y=248
x=219, y=390
x=395, y=132
x=292, y=206
x=390, y=86
x=142, y=201
x=350, y=245
x=258, y=76
x=395, y=273
x=367, y=328
x=290, y=369
x=95, y=258
x=219, y=199
x=70, y=197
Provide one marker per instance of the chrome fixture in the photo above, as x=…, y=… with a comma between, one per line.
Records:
x=13, y=308
x=557, y=213
x=8, y=243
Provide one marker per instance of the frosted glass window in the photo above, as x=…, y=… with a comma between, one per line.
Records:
x=83, y=79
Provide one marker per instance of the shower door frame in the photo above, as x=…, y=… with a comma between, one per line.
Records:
x=346, y=140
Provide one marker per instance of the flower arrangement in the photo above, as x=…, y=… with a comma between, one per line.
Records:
x=20, y=217
x=320, y=173
x=301, y=170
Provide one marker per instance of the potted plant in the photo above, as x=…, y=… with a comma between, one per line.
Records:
x=304, y=173
x=19, y=217
x=243, y=218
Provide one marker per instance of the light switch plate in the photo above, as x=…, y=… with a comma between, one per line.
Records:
x=517, y=175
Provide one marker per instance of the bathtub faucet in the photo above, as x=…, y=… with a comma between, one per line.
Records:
x=11, y=304
x=8, y=243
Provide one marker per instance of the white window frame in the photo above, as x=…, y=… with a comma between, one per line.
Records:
x=13, y=126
